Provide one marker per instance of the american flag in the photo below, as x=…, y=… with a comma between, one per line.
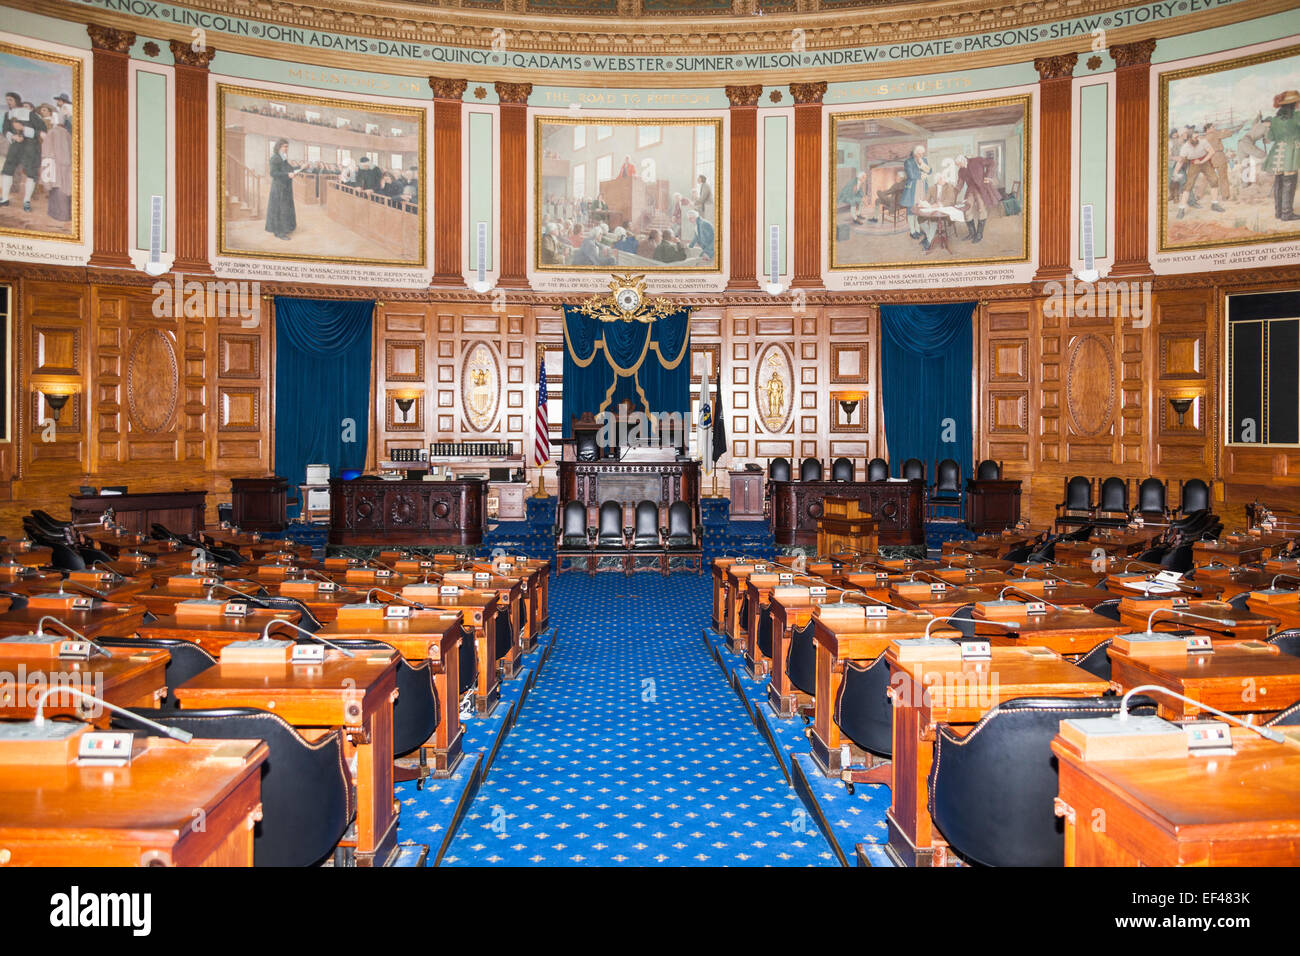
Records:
x=542, y=447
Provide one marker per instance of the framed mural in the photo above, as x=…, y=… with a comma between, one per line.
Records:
x=639, y=195
x=301, y=177
x=40, y=186
x=1232, y=145
x=945, y=184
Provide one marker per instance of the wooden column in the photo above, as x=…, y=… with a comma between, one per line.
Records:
x=191, y=152
x=109, y=142
x=742, y=191
x=1056, y=74
x=1132, y=155
x=447, y=227
x=807, y=183
x=514, y=184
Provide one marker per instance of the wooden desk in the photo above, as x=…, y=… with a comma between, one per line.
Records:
x=846, y=525
x=1238, y=810
x=972, y=576
x=408, y=512
x=214, y=633
x=758, y=589
x=510, y=598
x=478, y=611
x=1286, y=613
x=324, y=605
x=1236, y=679
x=1236, y=549
x=181, y=512
x=1125, y=541
x=719, y=573
x=941, y=603
x=355, y=694
x=737, y=595
x=862, y=641
x=106, y=619
x=21, y=579
x=1071, y=632
x=1246, y=625
x=26, y=553
x=992, y=504
x=897, y=506
x=1058, y=593
x=127, y=678
x=193, y=804
x=786, y=616
x=435, y=638
x=259, y=504
x=162, y=600
x=746, y=493
x=958, y=693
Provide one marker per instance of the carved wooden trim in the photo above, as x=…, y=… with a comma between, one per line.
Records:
x=744, y=95
x=109, y=39
x=445, y=88
x=185, y=55
x=514, y=92
x=808, y=93
x=1133, y=54
x=1056, y=67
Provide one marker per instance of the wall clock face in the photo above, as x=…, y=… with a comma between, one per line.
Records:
x=628, y=299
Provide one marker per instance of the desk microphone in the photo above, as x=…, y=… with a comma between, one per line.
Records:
x=1277, y=577
x=249, y=598
x=322, y=577
x=1225, y=621
x=68, y=629
x=184, y=736
x=933, y=577
x=397, y=597
x=102, y=595
x=1037, y=598
x=281, y=622
x=868, y=597
x=113, y=577
x=1268, y=733
x=953, y=617
x=375, y=562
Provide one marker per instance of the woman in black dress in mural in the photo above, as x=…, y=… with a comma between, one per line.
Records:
x=280, y=216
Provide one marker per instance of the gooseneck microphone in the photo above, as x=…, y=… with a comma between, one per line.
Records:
x=184, y=736
x=280, y=622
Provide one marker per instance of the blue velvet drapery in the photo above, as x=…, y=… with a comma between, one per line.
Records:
x=322, y=380
x=925, y=373
x=606, y=362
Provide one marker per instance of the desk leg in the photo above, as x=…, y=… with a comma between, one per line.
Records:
x=755, y=663
x=908, y=817
x=510, y=663
x=449, y=737
x=826, y=733
x=779, y=692
x=376, y=808
x=489, y=688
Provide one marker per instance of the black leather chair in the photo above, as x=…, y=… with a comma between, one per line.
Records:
x=647, y=541
x=586, y=448
x=186, y=659
x=48, y=523
x=467, y=660
x=1288, y=641
x=913, y=468
x=307, y=793
x=988, y=470
x=1108, y=609
x=1097, y=661
x=763, y=634
x=1179, y=558
x=947, y=490
x=1195, y=497
x=842, y=470
x=572, y=540
x=778, y=469
x=1112, y=503
x=1076, y=509
x=1151, y=500
x=810, y=469
x=682, y=541
x=801, y=660
x=863, y=709
x=1287, y=718
x=877, y=470
x=993, y=791
x=416, y=712
x=610, y=539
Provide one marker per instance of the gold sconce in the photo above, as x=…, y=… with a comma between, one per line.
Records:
x=404, y=399
x=56, y=396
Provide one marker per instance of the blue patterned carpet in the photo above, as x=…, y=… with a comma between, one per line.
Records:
x=632, y=749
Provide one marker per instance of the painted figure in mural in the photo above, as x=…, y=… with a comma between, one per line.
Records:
x=1284, y=155
x=281, y=218
x=552, y=247
x=915, y=169
x=627, y=170
x=1176, y=177
x=704, y=197
x=975, y=174
x=22, y=128
x=56, y=165
x=703, y=234
x=853, y=194
x=1218, y=157
x=1195, y=161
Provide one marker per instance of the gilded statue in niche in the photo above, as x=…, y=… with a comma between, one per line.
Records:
x=773, y=390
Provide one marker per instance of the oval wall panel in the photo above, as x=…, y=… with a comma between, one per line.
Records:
x=152, y=382
x=1090, y=385
x=480, y=385
x=774, y=389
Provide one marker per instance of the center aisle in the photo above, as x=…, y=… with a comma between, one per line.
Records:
x=632, y=749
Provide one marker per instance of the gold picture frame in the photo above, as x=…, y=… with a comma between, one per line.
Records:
x=1023, y=175
x=414, y=114
x=1168, y=79
x=540, y=122
x=77, y=92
